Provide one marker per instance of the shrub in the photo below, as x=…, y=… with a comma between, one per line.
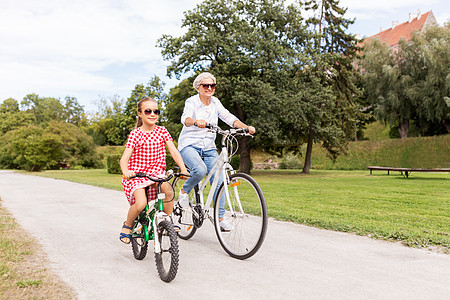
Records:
x=113, y=164
x=290, y=161
x=235, y=161
x=421, y=152
x=34, y=148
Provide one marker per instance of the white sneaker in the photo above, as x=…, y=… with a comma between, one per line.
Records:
x=225, y=226
x=183, y=200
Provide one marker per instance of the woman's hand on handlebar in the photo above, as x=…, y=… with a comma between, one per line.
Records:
x=200, y=123
x=251, y=129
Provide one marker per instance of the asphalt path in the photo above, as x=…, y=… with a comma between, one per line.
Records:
x=78, y=227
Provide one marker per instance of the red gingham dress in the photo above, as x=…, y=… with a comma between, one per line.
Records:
x=149, y=156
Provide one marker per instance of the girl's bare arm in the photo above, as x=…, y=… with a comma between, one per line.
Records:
x=124, y=163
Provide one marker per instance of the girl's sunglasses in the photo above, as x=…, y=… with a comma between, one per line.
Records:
x=148, y=112
x=207, y=86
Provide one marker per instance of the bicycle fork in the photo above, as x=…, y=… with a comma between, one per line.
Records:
x=234, y=185
x=159, y=216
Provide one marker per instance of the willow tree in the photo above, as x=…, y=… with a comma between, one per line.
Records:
x=411, y=84
x=387, y=86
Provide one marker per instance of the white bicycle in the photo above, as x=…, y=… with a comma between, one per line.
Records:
x=245, y=206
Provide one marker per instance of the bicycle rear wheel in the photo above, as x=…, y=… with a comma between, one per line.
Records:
x=138, y=242
x=246, y=212
x=183, y=217
x=167, y=260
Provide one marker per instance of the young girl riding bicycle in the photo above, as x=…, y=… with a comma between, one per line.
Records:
x=145, y=151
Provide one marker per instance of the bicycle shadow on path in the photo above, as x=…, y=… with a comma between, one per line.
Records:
x=78, y=226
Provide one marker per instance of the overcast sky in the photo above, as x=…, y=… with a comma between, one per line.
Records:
x=93, y=49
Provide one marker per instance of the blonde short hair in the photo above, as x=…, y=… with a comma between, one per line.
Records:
x=202, y=76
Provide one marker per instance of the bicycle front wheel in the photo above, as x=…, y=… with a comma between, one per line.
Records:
x=246, y=214
x=167, y=259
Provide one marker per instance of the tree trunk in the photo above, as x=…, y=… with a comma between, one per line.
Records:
x=403, y=128
x=244, y=164
x=447, y=125
x=307, y=166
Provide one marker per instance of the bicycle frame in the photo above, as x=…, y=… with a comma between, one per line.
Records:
x=153, y=212
x=221, y=167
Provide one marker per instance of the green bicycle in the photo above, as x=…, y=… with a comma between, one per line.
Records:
x=154, y=224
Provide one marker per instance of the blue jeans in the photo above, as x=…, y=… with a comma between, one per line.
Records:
x=200, y=164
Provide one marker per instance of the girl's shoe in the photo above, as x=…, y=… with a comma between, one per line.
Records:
x=124, y=236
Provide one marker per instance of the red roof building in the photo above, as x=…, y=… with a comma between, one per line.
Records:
x=416, y=22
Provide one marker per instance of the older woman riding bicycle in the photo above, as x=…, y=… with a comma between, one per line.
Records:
x=197, y=145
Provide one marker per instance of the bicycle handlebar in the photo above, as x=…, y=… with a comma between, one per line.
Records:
x=170, y=175
x=241, y=131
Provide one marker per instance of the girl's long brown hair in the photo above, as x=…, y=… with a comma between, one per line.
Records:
x=139, y=109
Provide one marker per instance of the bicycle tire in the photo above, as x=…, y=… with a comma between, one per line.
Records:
x=138, y=242
x=182, y=217
x=167, y=260
x=249, y=226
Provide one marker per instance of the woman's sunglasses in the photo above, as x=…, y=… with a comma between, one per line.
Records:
x=148, y=112
x=207, y=86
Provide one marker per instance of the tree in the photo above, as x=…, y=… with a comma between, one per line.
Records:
x=12, y=118
x=77, y=147
x=331, y=111
x=426, y=59
x=410, y=83
x=253, y=48
x=386, y=86
x=9, y=105
x=26, y=148
x=49, y=109
x=74, y=112
x=43, y=109
x=34, y=148
x=105, y=127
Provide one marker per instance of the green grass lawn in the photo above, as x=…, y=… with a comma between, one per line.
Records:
x=415, y=211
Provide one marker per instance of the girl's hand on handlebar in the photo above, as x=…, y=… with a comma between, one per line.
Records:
x=128, y=174
x=251, y=129
x=184, y=171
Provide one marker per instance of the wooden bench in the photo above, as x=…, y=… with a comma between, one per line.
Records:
x=407, y=171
